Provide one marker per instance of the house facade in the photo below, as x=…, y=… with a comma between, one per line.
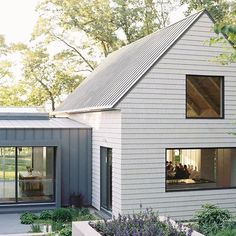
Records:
x=40, y=157
x=162, y=114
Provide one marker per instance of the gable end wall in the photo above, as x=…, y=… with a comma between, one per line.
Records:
x=153, y=119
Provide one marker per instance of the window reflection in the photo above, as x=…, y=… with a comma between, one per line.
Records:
x=34, y=178
x=200, y=168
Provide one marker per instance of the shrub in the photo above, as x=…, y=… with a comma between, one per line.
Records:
x=57, y=226
x=227, y=232
x=145, y=223
x=61, y=215
x=28, y=218
x=45, y=215
x=35, y=228
x=67, y=231
x=211, y=219
x=77, y=200
x=79, y=214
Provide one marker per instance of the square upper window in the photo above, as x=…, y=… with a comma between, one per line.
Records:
x=204, y=96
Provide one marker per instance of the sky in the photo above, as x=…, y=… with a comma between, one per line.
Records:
x=17, y=18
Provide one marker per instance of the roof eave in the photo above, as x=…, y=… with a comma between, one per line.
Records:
x=84, y=110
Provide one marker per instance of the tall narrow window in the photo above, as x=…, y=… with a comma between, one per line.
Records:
x=204, y=96
x=106, y=178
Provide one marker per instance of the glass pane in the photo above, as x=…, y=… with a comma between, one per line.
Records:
x=106, y=178
x=7, y=174
x=36, y=174
x=109, y=178
x=204, y=96
x=206, y=168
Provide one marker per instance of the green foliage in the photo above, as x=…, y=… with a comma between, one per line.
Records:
x=217, y=9
x=224, y=13
x=57, y=226
x=80, y=214
x=45, y=215
x=28, y=218
x=226, y=232
x=62, y=215
x=100, y=20
x=35, y=228
x=66, y=231
x=211, y=219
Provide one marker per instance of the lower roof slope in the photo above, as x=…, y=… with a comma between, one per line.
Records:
x=113, y=78
x=53, y=123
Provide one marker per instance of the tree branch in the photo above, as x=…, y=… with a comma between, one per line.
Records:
x=74, y=49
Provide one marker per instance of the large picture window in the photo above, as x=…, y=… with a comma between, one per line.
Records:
x=204, y=96
x=206, y=168
x=27, y=174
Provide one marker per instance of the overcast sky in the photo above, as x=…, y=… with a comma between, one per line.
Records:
x=17, y=18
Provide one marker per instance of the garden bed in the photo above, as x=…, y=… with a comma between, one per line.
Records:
x=143, y=223
x=57, y=221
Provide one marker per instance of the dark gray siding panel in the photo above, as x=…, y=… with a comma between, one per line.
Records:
x=73, y=151
x=65, y=165
x=3, y=134
x=38, y=134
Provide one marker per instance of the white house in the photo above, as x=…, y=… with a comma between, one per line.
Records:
x=153, y=104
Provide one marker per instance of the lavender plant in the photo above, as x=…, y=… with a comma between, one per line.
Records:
x=145, y=223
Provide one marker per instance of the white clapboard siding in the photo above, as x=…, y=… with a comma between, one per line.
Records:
x=153, y=119
x=107, y=133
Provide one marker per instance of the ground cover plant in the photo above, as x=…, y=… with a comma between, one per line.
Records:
x=212, y=220
x=145, y=223
x=59, y=219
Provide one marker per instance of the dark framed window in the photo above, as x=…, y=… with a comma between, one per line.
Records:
x=204, y=96
x=200, y=168
x=106, y=178
x=27, y=174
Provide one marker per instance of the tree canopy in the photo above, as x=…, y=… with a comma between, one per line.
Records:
x=224, y=14
x=71, y=37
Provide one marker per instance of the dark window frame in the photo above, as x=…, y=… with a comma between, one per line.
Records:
x=17, y=202
x=106, y=210
x=222, y=116
x=198, y=189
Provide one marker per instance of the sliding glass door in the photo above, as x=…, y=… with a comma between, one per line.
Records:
x=27, y=174
x=7, y=174
x=106, y=178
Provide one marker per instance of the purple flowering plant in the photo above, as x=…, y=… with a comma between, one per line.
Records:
x=144, y=223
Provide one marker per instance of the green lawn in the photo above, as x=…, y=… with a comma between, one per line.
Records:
x=9, y=166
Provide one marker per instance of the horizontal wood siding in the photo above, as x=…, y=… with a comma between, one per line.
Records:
x=153, y=119
x=106, y=132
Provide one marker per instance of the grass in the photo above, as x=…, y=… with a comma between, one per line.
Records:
x=9, y=166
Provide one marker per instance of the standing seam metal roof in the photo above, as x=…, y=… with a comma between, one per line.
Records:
x=113, y=78
x=53, y=123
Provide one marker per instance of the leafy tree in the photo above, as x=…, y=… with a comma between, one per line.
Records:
x=47, y=77
x=217, y=8
x=70, y=39
x=105, y=24
x=5, y=63
x=224, y=14
x=227, y=27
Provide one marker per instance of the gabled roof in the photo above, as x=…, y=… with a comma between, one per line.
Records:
x=113, y=78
